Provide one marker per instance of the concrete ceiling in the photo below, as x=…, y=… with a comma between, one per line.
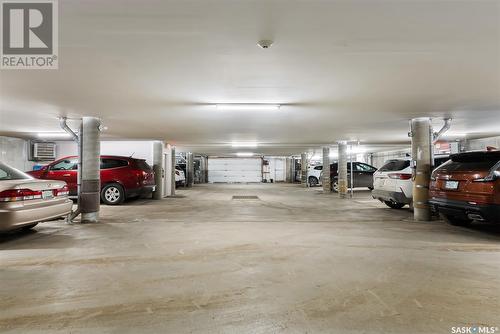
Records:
x=352, y=69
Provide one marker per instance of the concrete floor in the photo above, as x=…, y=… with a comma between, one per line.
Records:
x=294, y=261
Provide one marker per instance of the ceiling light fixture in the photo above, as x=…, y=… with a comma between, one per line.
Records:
x=265, y=43
x=244, y=144
x=247, y=106
x=244, y=154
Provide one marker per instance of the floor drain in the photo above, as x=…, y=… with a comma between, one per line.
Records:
x=245, y=197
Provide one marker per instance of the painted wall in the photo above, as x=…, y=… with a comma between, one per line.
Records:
x=481, y=144
x=14, y=152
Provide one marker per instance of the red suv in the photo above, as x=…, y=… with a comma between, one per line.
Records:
x=467, y=188
x=121, y=177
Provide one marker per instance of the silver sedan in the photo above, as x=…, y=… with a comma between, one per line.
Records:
x=25, y=201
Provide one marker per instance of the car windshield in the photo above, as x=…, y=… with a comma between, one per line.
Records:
x=471, y=162
x=394, y=165
x=9, y=173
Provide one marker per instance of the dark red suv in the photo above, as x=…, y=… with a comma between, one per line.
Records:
x=121, y=177
x=467, y=188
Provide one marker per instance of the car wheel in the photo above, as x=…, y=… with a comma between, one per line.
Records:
x=28, y=227
x=112, y=194
x=455, y=221
x=313, y=182
x=394, y=205
x=335, y=185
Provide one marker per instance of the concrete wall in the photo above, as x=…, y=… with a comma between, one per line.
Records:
x=136, y=149
x=14, y=152
x=481, y=144
x=276, y=169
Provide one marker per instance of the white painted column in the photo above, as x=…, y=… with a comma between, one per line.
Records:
x=158, y=163
x=170, y=171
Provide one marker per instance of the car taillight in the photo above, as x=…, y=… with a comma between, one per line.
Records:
x=399, y=176
x=64, y=191
x=16, y=195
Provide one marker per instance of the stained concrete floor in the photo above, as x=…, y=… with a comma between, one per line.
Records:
x=294, y=261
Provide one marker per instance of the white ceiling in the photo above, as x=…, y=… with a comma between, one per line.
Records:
x=352, y=69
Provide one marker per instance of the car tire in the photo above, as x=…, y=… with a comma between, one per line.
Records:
x=335, y=185
x=394, y=205
x=313, y=182
x=28, y=227
x=455, y=221
x=112, y=194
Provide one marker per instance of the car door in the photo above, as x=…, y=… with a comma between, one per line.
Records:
x=363, y=175
x=64, y=170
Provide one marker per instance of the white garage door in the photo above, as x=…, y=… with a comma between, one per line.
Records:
x=229, y=170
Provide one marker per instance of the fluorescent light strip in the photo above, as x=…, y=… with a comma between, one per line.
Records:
x=248, y=107
x=244, y=144
x=244, y=154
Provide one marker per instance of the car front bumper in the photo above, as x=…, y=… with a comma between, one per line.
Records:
x=391, y=196
x=17, y=214
x=466, y=210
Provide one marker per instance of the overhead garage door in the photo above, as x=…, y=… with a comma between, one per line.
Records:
x=229, y=170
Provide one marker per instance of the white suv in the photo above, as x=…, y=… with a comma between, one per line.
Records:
x=314, y=175
x=393, y=184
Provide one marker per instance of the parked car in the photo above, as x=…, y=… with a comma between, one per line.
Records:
x=314, y=175
x=393, y=184
x=467, y=188
x=363, y=175
x=180, y=177
x=121, y=177
x=25, y=201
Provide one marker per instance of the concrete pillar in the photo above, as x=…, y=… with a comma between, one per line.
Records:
x=288, y=170
x=204, y=169
x=158, y=163
x=325, y=179
x=421, y=152
x=342, y=180
x=90, y=198
x=173, y=161
x=189, y=169
x=303, y=168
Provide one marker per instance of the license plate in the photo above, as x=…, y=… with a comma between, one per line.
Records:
x=46, y=194
x=452, y=185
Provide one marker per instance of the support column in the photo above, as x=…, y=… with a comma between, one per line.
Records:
x=158, y=163
x=342, y=180
x=421, y=145
x=303, y=168
x=325, y=179
x=173, y=163
x=288, y=170
x=90, y=198
x=189, y=169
